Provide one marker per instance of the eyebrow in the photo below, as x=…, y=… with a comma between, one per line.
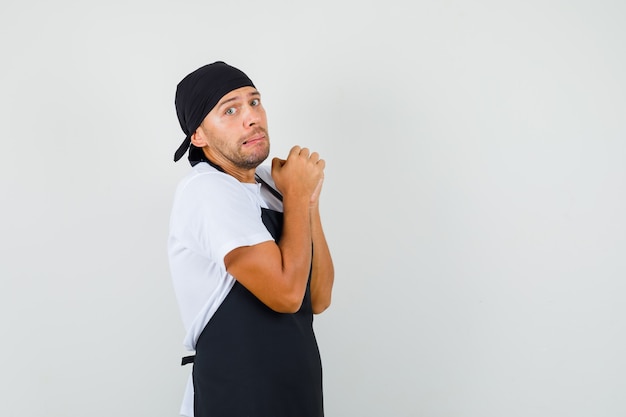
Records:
x=235, y=98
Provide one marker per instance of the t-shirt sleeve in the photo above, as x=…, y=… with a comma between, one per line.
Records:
x=217, y=215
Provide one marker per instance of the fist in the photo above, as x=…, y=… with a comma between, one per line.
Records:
x=300, y=175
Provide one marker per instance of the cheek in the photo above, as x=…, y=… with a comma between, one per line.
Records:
x=223, y=127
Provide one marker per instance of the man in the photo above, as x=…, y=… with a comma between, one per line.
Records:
x=248, y=256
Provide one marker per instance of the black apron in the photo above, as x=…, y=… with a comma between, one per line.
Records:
x=252, y=361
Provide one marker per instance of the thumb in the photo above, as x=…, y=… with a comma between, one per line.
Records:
x=277, y=163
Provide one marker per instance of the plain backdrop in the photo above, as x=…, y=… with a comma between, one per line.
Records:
x=474, y=198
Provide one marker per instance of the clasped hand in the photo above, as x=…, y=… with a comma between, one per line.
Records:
x=301, y=175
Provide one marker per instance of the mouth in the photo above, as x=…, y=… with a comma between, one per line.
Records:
x=254, y=139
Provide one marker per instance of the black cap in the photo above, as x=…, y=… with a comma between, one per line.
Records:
x=199, y=92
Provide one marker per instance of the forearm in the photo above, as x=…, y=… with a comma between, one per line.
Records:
x=295, y=245
x=322, y=271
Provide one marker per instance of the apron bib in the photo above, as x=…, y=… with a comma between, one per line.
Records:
x=252, y=361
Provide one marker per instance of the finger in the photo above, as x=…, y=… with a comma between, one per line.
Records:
x=294, y=151
x=314, y=157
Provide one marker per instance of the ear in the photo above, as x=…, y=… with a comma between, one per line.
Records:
x=197, y=139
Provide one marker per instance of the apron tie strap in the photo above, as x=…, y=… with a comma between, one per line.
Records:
x=187, y=359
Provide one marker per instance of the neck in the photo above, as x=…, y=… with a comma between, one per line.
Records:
x=242, y=175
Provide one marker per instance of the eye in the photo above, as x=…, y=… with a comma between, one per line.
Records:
x=255, y=102
x=230, y=111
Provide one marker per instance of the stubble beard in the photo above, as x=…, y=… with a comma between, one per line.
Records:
x=254, y=159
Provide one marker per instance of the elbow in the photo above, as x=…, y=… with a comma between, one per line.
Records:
x=287, y=307
x=320, y=306
x=288, y=304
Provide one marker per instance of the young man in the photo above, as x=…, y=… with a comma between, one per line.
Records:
x=248, y=256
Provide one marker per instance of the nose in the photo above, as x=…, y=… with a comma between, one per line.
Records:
x=251, y=116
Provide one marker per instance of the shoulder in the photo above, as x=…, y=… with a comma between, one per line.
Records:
x=203, y=175
x=208, y=192
x=208, y=199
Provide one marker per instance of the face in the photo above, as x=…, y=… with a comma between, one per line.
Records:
x=234, y=133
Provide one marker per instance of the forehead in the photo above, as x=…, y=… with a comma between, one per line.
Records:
x=238, y=94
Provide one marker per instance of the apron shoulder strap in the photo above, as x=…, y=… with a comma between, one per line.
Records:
x=274, y=192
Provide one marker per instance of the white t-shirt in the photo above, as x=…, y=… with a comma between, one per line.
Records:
x=213, y=213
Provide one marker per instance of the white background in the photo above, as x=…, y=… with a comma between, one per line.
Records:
x=474, y=198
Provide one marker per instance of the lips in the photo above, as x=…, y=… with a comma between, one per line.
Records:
x=254, y=139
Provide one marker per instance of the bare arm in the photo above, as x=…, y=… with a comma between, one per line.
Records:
x=322, y=272
x=277, y=274
x=322, y=269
